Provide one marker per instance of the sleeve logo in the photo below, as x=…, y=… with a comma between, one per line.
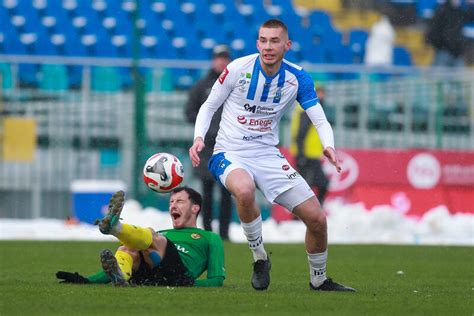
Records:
x=223, y=75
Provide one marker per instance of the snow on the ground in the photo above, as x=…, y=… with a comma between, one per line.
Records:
x=346, y=224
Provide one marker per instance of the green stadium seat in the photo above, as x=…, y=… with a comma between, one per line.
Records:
x=53, y=78
x=158, y=80
x=105, y=79
x=6, y=76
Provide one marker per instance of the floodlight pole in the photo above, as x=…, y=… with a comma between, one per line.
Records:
x=140, y=108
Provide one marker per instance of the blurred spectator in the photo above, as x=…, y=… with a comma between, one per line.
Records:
x=445, y=33
x=309, y=151
x=359, y=4
x=196, y=97
x=379, y=45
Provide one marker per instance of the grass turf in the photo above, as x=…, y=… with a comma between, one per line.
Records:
x=435, y=281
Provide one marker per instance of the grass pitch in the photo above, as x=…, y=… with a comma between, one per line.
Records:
x=435, y=281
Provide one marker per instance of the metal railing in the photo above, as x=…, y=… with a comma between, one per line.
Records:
x=88, y=134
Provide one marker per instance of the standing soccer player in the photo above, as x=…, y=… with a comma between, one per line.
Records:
x=255, y=91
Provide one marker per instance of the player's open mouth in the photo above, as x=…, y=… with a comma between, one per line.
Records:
x=175, y=215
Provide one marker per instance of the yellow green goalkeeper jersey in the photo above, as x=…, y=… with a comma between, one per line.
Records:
x=200, y=250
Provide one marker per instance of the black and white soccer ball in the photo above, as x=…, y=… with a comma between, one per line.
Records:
x=163, y=172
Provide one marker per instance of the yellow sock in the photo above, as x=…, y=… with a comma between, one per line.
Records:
x=125, y=263
x=134, y=237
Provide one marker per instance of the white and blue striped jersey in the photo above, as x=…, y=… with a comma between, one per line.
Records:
x=254, y=104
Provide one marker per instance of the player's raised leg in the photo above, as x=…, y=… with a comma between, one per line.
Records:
x=312, y=215
x=242, y=186
x=131, y=236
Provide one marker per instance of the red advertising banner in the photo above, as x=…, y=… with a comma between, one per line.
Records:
x=410, y=181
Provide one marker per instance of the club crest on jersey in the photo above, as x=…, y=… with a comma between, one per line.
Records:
x=243, y=82
x=224, y=74
x=195, y=236
x=277, y=97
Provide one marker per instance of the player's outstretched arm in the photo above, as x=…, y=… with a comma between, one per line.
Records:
x=70, y=277
x=196, y=148
x=330, y=154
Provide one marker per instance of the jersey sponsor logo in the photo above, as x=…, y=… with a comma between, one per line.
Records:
x=250, y=138
x=250, y=108
x=260, y=122
x=259, y=129
x=259, y=125
x=293, y=175
x=224, y=74
x=195, y=236
x=241, y=119
x=182, y=249
x=291, y=82
x=259, y=109
x=285, y=167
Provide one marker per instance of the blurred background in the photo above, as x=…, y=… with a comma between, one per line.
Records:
x=90, y=89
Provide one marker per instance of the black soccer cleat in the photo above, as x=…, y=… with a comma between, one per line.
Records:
x=261, y=274
x=111, y=268
x=330, y=285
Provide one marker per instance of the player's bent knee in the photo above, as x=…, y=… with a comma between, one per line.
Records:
x=132, y=252
x=159, y=242
x=317, y=220
x=245, y=195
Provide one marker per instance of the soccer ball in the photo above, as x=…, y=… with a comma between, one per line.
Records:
x=163, y=172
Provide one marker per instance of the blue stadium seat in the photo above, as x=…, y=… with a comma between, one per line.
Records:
x=403, y=2
x=401, y=56
x=285, y=4
x=253, y=12
x=72, y=46
x=315, y=55
x=183, y=79
x=292, y=20
x=2, y=42
x=153, y=47
x=357, y=40
x=74, y=76
x=320, y=22
x=122, y=45
x=28, y=75
x=468, y=31
x=231, y=14
x=426, y=8
x=207, y=29
x=124, y=24
x=12, y=44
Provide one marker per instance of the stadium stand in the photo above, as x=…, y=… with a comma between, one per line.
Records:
x=324, y=32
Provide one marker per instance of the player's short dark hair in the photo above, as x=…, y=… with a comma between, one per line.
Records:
x=194, y=195
x=273, y=24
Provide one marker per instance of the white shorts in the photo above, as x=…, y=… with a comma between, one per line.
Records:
x=271, y=173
